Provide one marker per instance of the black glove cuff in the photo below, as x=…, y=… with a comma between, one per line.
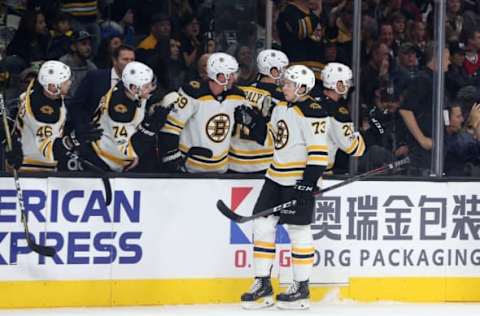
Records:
x=144, y=129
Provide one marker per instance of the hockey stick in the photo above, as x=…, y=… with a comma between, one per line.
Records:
x=42, y=250
x=105, y=179
x=225, y=210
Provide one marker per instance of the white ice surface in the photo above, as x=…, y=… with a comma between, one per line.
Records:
x=323, y=309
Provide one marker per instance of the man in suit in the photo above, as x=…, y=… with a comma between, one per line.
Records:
x=95, y=85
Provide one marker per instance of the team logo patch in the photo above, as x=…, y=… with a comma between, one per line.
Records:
x=315, y=106
x=195, y=84
x=343, y=110
x=218, y=127
x=47, y=109
x=120, y=108
x=281, y=136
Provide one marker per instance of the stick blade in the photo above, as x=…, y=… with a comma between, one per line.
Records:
x=225, y=210
x=42, y=250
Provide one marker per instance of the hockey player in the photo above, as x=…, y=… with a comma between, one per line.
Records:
x=337, y=81
x=246, y=155
x=300, y=129
x=41, y=119
x=203, y=116
x=129, y=131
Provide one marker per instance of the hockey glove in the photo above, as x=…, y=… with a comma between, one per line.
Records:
x=89, y=134
x=304, y=194
x=15, y=156
x=254, y=121
x=155, y=120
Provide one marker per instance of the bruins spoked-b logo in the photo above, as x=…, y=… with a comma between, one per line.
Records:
x=218, y=127
x=281, y=136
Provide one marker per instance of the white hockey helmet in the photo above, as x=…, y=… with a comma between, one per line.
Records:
x=137, y=74
x=335, y=72
x=271, y=58
x=302, y=76
x=221, y=63
x=53, y=72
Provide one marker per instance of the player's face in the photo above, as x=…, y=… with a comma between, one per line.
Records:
x=288, y=89
x=65, y=87
x=147, y=90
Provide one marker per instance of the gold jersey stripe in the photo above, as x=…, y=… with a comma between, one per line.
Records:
x=302, y=261
x=308, y=250
x=175, y=121
x=268, y=151
x=293, y=164
x=292, y=174
x=249, y=161
x=263, y=255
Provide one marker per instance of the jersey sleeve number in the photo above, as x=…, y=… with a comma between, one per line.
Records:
x=119, y=131
x=319, y=127
x=44, y=132
x=347, y=130
x=182, y=102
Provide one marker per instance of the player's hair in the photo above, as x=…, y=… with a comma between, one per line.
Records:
x=121, y=48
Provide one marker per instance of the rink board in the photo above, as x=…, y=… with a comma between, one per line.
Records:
x=162, y=241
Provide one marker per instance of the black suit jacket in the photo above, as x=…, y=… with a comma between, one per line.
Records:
x=88, y=95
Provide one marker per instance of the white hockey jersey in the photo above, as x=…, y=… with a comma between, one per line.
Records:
x=39, y=128
x=201, y=119
x=247, y=156
x=300, y=131
x=119, y=117
x=341, y=134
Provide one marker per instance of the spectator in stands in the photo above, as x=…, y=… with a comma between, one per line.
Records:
x=78, y=59
x=386, y=37
x=454, y=22
x=375, y=72
x=462, y=149
x=295, y=25
x=60, y=36
x=30, y=42
x=385, y=135
x=128, y=29
x=168, y=65
x=191, y=41
x=160, y=29
x=456, y=76
x=247, y=70
x=418, y=35
x=473, y=123
x=96, y=84
x=399, y=27
x=417, y=113
x=104, y=58
x=472, y=56
x=406, y=68
x=84, y=17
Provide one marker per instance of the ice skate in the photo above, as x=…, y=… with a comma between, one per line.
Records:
x=260, y=295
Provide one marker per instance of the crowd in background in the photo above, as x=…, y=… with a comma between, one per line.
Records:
x=175, y=38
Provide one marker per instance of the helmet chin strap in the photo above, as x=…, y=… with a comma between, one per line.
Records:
x=225, y=84
x=57, y=94
x=297, y=95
